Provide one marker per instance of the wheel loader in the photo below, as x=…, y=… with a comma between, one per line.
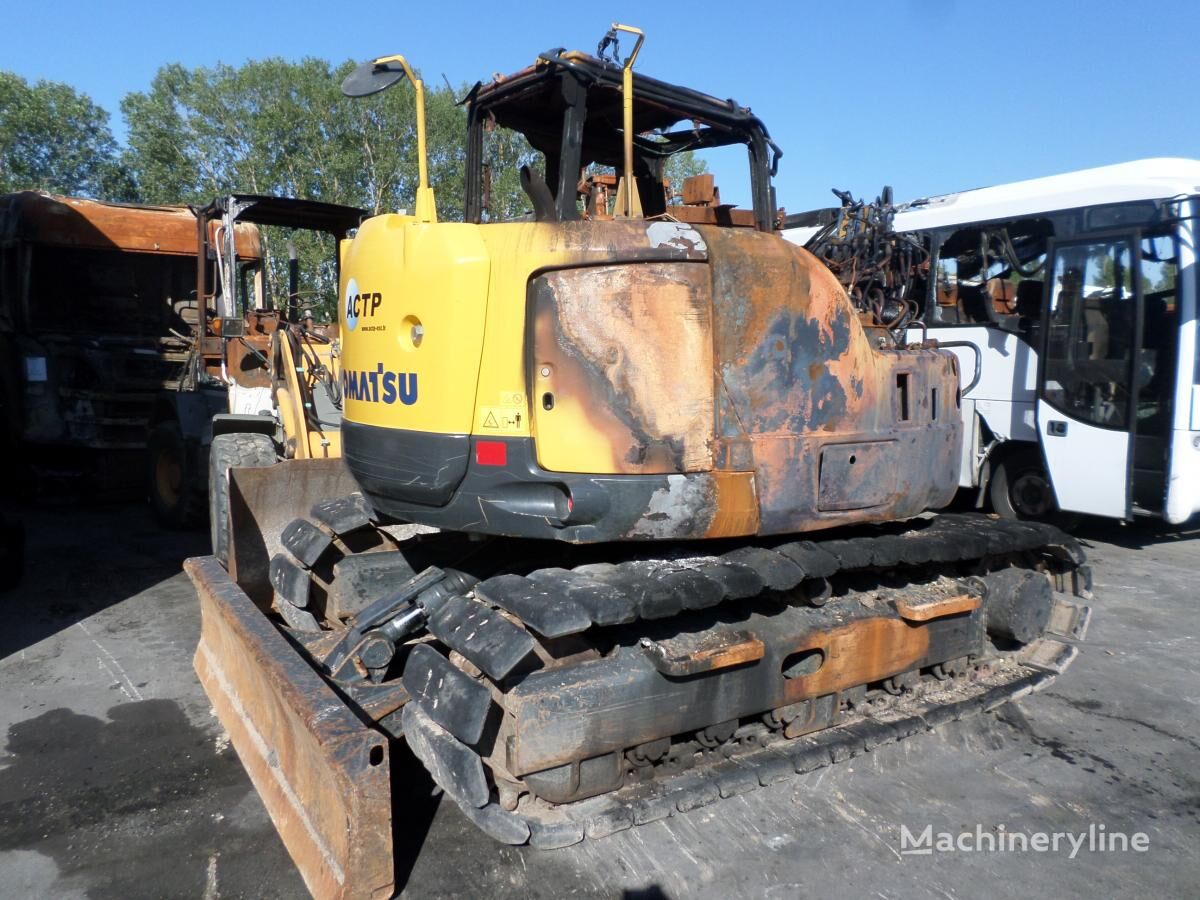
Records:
x=260, y=377
x=632, y=515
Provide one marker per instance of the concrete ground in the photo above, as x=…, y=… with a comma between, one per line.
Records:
x=116, y=781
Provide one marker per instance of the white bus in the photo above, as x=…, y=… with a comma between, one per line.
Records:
x=1071, y=302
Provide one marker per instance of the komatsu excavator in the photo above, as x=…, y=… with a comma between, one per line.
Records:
x=632, y=510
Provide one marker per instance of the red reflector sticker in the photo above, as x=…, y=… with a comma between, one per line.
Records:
x=491, y=453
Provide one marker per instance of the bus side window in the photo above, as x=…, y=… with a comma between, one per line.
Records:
x=963, y=294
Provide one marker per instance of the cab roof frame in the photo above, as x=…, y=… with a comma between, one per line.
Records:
x=568, y=106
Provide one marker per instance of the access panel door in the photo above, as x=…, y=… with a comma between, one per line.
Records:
x=1085, y=407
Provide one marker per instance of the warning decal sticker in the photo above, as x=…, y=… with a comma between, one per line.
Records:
x=502, y=419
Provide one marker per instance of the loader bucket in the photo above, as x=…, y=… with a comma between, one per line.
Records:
x=322, y=773
x=262, y=501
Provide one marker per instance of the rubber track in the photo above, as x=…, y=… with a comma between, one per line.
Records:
x=948, y=539
x=659, y=588
x=639, y=804
x=557, y=602
x=608, y=594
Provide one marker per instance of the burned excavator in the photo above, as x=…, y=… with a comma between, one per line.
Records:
x=633, y=508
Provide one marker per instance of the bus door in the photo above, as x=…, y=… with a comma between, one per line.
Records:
x=1182, y=493
x=1086, y=405
x=1157, y=368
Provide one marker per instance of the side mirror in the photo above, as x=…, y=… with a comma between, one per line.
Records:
x=372, y=77
x=379, y=75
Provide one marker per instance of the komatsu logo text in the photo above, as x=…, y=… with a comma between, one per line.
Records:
x=379, y=386
x=360, y=304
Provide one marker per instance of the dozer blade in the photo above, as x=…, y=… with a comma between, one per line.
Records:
x=321, y=773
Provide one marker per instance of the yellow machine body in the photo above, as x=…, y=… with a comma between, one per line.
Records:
x=602, y=380
x=305, y=435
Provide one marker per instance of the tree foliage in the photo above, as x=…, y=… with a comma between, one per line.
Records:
x=681, y=166
x=53, y=138
x=284, y=128
x=277, y=127
x=266, y=127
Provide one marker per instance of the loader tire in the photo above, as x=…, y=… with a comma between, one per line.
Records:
x=170, y=481
x=231, y=451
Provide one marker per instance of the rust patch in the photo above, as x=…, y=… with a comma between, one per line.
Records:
x=850, y=475
x=75, y=222
x=859, y=653
x=613, y=349
x=707, y=651
x=321, y=773
x=924, y=610
x=735, y=506
x=796, y=373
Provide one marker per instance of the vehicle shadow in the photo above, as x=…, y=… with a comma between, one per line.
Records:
x=415, y=802
x=80, y=560
x=1135, y=535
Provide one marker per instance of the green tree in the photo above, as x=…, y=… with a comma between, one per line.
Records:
x=680, y=166
x=56, y=139
x=284, y=128
x=1106, y=275
x=278, y=127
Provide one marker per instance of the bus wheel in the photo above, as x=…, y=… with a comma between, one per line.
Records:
x=1021, y=489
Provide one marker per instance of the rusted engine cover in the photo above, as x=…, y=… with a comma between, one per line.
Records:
x=745, y=364
x=799, y=376
x=631, y=344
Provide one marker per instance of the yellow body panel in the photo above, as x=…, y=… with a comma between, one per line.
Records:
x=324, y=445
x=467, y=287
x=412, y=318
x=735, y=506
x=647, y=328
x=519, y=250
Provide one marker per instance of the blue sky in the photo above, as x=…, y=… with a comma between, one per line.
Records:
x=927, y=95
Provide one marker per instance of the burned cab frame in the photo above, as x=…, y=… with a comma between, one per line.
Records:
x=569, y=107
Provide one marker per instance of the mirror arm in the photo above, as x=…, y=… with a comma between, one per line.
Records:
x=425, y=207
x=627, y=110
